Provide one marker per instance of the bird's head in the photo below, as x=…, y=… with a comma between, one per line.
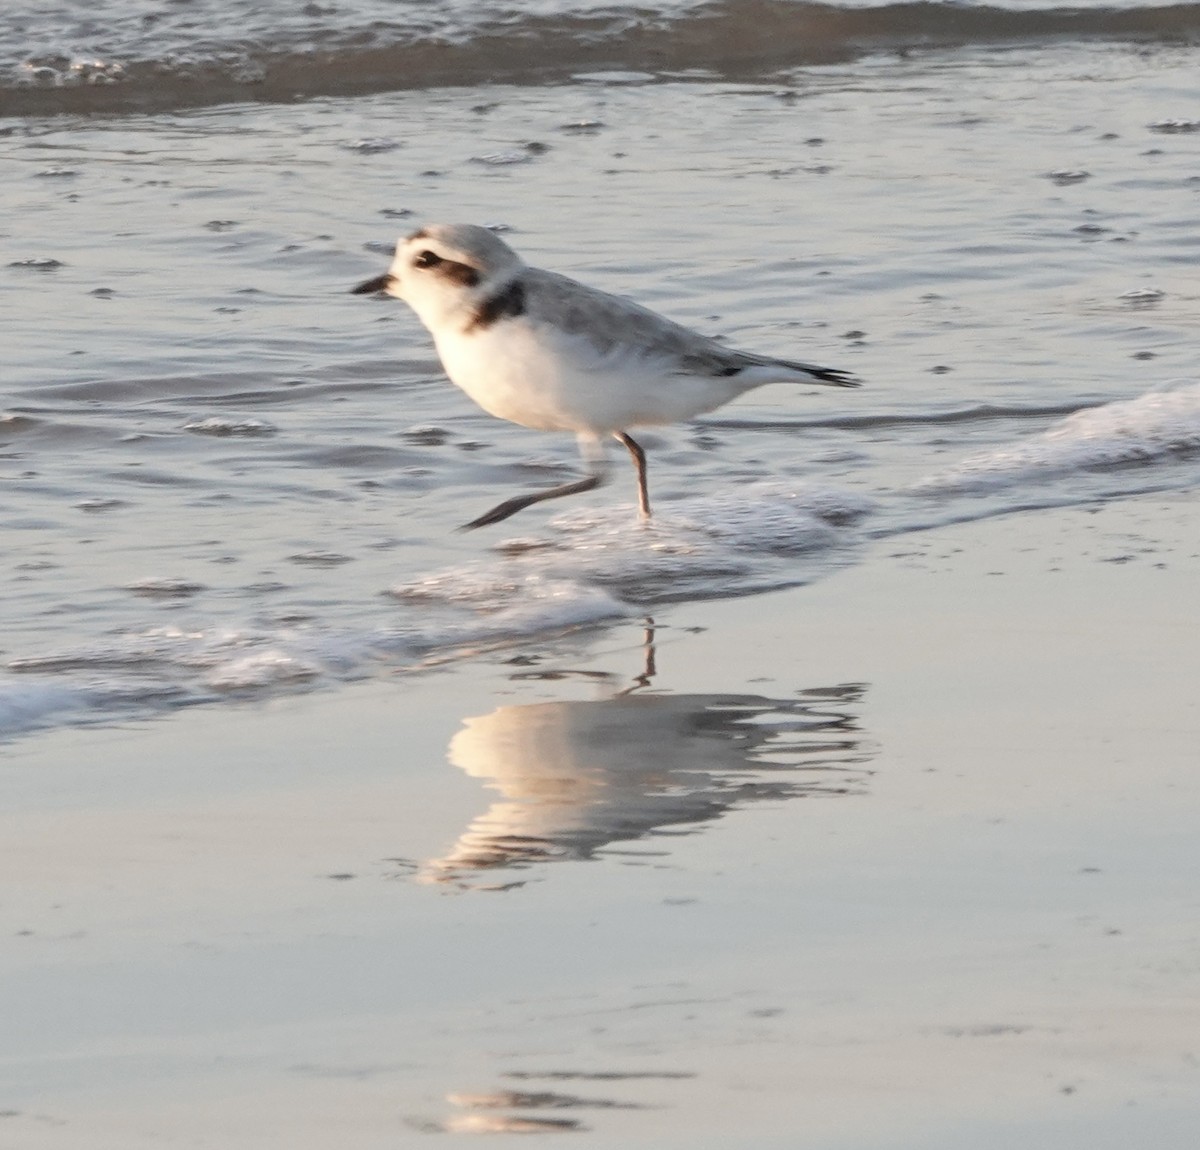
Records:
x=443, y=270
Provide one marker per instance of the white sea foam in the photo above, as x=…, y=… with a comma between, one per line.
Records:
x=696, y=547
x=588, y=566
x=758, y=517
x=1156, y=426
x=33, y=701
x=26, y=706
x=167, y=667
x=224, y=427
x=261, y=669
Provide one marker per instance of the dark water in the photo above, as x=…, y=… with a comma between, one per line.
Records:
x=153, y=57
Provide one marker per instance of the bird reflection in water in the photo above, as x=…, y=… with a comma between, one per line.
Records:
x=577, y=776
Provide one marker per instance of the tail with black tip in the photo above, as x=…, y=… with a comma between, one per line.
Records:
x=760, y=367
x=829, y=376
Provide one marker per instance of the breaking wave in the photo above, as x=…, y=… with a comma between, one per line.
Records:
x=1160, y=425
x=145, y=57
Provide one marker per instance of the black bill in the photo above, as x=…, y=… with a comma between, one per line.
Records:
x=368, y=287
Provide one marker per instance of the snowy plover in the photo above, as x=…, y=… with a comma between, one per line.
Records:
x=544, y=351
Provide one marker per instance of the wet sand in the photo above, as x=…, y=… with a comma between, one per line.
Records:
x=904, y=857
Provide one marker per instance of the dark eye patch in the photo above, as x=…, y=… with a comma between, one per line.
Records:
x=453, y=270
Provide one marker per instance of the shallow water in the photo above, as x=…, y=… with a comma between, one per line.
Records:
x=224, y=474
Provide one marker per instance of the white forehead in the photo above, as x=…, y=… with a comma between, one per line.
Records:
x=466, y=243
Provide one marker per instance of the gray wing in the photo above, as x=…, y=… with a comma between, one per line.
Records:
x=614, y=325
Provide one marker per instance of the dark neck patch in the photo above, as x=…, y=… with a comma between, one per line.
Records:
x=508, y=301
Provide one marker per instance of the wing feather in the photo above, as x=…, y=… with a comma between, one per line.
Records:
x=615, y=326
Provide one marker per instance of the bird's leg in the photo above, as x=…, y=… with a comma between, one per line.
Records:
x=639, y=461
x=519, y=502
x=593, y=455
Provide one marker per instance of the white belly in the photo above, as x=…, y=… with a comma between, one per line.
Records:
x=543, y=383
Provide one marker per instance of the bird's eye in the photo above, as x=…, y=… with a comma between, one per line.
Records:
x=427, y=259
